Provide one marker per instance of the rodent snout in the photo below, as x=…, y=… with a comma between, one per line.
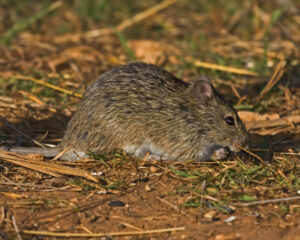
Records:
x=234, y=147
x=237, y=145
x=244, y=141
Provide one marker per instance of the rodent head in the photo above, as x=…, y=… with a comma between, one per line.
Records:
x=222, y=125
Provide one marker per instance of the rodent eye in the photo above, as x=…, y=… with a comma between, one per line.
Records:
x=229, y=120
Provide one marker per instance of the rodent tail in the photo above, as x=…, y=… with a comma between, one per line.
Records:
x=47, y=152
x=70, y=155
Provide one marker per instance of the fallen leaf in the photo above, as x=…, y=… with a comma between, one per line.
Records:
x=153, y=52
x=248, y=116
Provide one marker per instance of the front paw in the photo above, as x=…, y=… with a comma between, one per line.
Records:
x=155, y=157
x=220, y=154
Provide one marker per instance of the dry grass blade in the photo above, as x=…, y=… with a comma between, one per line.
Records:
x=21, y=203
x=291, y=154
x=21, y=185
x=61, y=153
x=206, y=196
x=9, y=182
x=202, y=198
x=172, y=206
x=16, y=228
x=21, y=133
x=31, y=97
x=18, y=159
x=209, y=198
x=278, y=72
x=49, y=85
x=135, y=19
x=221, y=68
x=52, y=169
x=88, y=235
x=267, y=201
x=252, y=154
x=143, y=15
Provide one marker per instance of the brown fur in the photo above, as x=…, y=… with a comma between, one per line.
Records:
x=139, y=107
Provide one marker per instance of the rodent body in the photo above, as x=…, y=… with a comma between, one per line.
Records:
x=141, y=108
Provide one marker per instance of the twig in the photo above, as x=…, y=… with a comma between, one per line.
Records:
x=282, y=175
x=209, y=198
x=85, y=228
x=145, y=159
x=131, y=226
x=17, y=203
x=235, y=91
x=88, y=235
x=267, y=201
x=291, y=154
x=9, y=182
x=253, y=154
x=29, y=185
x=35, y=167
x=61, y=153
x=21, y=133
x=16, y=227
x=52, y=169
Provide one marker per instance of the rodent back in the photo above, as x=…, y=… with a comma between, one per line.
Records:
x=135, y=95
x=136, y=90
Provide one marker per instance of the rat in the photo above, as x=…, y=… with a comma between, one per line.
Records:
x=142, y=108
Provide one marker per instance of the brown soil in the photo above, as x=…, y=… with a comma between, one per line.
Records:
x=68, y=208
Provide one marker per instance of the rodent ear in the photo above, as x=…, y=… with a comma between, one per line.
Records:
x=203, y=90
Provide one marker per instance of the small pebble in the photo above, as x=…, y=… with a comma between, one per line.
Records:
x=210, y=214
x=154, y=169
x=148, y=188
x=229, y=209
x=230, y=219
x=97, y=173
x=102, y=192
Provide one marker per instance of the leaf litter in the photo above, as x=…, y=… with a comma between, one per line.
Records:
x=43, y=74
